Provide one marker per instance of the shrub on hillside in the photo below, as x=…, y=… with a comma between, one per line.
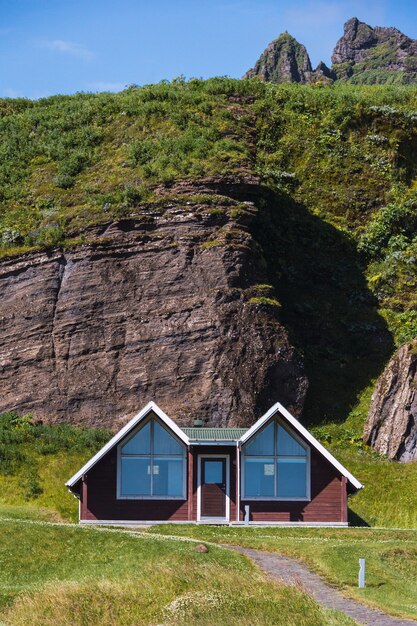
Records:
x=21, y=437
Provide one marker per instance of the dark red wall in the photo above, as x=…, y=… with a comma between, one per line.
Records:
x=327, y=504
x=99, y=501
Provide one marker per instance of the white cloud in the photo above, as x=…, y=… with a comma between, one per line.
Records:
x=103, y=86
x=68, y=47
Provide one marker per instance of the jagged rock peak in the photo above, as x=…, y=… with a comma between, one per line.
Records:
x=322, y=73
x=364, y=54
x=372, y=49
x=391, y=426
x=285, y=60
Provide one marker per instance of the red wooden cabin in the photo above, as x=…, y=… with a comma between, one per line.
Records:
x=153, y=471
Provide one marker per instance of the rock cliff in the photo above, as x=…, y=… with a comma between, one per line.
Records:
x=362, y=55
x=285, y=60
x=162, y=307
x=379, y=55
x=391, y=427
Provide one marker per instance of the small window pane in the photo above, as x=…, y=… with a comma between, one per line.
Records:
x=263, y=443
x=168, y=477
x=213, y=472
x=259, y=477
x=163, y=442
x=287, y=445
x=136, y=476
x=139, y=443
x=292, y=481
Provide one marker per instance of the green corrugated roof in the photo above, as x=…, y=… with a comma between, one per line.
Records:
x=214, y=434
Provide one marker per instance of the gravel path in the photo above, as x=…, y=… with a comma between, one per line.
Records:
x=292, y=571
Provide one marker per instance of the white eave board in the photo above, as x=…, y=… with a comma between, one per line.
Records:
x=150, y=407
x=278, y=408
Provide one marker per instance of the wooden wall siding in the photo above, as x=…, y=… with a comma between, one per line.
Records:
x=98, y=495
x=192, y=513
x=213, y=501
x=102, y=504
x=327, y=502
x=343, y=503
x=197, y=451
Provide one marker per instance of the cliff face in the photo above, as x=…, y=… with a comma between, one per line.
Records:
x=162, y=307
x=391, y=427
x=285, y=60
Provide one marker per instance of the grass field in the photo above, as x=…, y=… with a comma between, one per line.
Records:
x=391, y=557
x=65, y=575
x=121, y=578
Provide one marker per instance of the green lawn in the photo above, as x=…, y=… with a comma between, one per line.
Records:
x=391, y=557
x=66, y=575
x=111, y=575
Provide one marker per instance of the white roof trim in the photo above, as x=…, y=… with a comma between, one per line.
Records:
x=304, y=432
x=151, y=406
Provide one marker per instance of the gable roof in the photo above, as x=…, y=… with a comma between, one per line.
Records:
x=151, y=407
x=278, y=408
x=238, y=436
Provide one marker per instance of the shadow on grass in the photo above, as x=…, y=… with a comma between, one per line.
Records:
x=326, y=306
x=356, y=520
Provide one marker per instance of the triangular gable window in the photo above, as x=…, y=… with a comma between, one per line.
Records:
x=151, y=464
x=276, y=465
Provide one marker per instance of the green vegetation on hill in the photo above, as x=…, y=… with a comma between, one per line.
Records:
x=37, y=459
x=73, y=160
x=336, y=199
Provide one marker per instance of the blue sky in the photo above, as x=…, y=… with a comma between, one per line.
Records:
x=64, y=46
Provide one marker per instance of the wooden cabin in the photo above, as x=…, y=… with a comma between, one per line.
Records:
x=153, y=471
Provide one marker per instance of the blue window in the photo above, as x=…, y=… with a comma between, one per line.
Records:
x=152, y=464
x=276, y=465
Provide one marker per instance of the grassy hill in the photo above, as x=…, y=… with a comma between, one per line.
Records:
x=336, y=194
x=334, y=178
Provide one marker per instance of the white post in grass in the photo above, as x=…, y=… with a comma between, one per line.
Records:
x=361, y=584
x=247, y=514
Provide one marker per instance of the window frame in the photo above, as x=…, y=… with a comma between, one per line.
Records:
x=275, y=457
x=151, y=455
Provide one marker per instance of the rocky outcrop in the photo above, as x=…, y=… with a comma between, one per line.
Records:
x=161, y=307
x=362, y=55
x=391, y=427
x=374, y=54
x=322, y=74
x=285, y=60
x=357, y=38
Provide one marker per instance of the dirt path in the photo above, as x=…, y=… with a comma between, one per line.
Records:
x=291, y=571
